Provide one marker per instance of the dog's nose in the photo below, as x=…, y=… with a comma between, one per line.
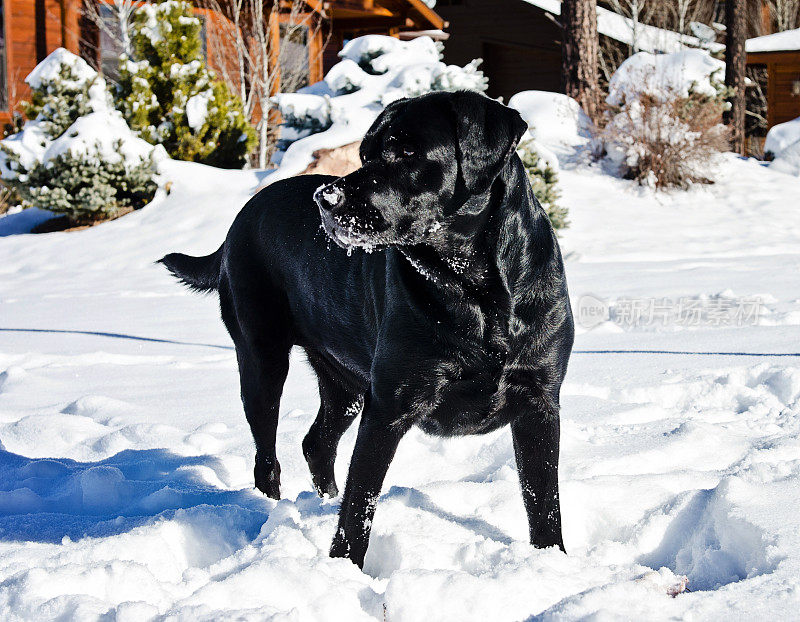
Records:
x=329, y=197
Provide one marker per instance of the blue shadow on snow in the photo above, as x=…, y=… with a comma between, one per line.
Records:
x=46, y=499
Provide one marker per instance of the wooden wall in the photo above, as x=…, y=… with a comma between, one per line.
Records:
x=33, y=30
x=783, y=70
x=520, y=46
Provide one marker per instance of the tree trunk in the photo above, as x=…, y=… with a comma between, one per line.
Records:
x=263, y=134
x=736, y=22
x=579, y=51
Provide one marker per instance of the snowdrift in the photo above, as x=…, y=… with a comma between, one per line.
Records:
x=783, y=144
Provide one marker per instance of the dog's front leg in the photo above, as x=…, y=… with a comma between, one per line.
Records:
x=375, y=447
x=536, y=439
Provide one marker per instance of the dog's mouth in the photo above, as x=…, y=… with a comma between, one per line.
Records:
x=346, y=234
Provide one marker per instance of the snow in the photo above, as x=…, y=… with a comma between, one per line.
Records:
x=390, y=52
x=788, y=160
x=299, y=105
x=29, y=144
x=782, y=136
x=48, y=70
x=156, y=21
x=106, y=136
x=776, y=42
x=665, y=75
x=621, y=28
x=783, y=142
x=554, y=117
x=17, y=221
x=197, y=109
x=182, y=70
x=126, y=476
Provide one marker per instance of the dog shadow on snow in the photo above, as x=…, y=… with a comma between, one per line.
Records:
x=48, y=499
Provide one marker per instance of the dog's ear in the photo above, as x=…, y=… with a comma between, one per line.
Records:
x=371, y=138
x=487, y=132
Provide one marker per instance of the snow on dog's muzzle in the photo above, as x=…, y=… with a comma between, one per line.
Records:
x=329, y=197
x=348, y=223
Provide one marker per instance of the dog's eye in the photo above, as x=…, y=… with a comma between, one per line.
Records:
x=407, y=151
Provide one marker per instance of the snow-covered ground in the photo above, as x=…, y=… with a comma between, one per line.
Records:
x=126, y=481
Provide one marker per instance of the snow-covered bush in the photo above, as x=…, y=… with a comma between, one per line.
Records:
x=169, y=96
x=782, y=136
x=663, y=122
x=375, y=70
x=94, y=168
x=64, y=88
x=415, y=66
x=544, y=181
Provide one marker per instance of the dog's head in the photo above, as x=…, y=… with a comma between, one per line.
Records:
x=421, y=160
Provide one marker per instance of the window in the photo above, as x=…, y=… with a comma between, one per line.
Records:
x=294, y=57
x=3, y=68
x=110, y=46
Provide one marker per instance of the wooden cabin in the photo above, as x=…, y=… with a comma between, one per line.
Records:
x=520, y=40
x=31, y=29
x=778, y=57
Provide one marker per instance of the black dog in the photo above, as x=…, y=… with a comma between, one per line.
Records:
x=460, y=325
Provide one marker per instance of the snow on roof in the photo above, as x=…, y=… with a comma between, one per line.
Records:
x=620, y=28
x=776, y=42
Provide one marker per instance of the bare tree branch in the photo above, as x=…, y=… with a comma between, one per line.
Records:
x=122, y=12
x=253, y=52
x=785, y=13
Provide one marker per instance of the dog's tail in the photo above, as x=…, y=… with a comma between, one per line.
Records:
x=199, y=273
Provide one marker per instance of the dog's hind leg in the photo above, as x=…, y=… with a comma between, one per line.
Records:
x=262, y=336
x=340, y=402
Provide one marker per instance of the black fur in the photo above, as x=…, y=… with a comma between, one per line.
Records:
x=198, y=273
x=459, y=323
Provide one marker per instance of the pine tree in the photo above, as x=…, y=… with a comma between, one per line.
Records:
x=169, y=96
x=544, y=180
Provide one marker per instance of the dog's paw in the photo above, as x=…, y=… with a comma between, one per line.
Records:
x=268, y=477
x=321, y=467
x=325, y=487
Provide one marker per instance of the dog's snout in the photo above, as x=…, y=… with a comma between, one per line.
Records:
x=329, y=197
